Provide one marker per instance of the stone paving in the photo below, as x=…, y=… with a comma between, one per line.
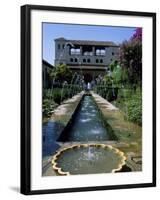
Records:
x=64, y=112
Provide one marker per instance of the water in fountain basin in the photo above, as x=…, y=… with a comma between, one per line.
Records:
x=88, y=160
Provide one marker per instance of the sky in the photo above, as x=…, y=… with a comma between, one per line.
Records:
x=52, y=31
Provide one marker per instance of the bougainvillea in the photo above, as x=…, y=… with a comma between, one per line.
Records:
x=137, y=35
x=131, y=57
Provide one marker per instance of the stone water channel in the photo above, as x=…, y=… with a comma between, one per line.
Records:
x=87, y=124
x=82, y=120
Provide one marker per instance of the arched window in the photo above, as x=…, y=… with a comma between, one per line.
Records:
x=88, y=60
x=101, y=60
x=97, y=61
x=77, y=51
x=84, y=60
x=71, y=59
x=59, y=46
x=75, y=60
x=72, y=51
x=98, y=52
x=102, y=52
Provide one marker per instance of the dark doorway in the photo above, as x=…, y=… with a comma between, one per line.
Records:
x=87, y=78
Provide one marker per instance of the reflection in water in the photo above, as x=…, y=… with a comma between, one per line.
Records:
x=51, y=131
x=88, y=124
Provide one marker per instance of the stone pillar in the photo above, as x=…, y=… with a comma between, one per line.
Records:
x=80, y=50
x=106, y=51
x=93, y=51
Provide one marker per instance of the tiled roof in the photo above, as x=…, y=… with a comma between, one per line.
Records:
x=88, y=42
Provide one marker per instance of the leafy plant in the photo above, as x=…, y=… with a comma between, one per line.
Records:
x=47, y=107
x=130, y=102
x=135, y=110
x=61, y=73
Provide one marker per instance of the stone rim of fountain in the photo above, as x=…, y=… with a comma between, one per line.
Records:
x=117, y=151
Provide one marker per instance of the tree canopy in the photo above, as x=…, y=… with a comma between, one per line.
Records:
x=61, y=73
x=131, y=57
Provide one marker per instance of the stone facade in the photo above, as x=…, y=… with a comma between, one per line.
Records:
x=88, y=57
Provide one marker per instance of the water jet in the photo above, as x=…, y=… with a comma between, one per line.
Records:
x=88, y=159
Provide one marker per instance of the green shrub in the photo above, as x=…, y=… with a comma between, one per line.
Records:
x=48, y=106
x=56, y=95
x=107, y=92
x=53, y=97
x=130, y=102
x=134, y=106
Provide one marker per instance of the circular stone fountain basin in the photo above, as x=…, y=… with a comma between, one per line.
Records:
x=88, y=159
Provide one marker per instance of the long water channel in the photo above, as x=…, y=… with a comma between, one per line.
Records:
x=87, y=124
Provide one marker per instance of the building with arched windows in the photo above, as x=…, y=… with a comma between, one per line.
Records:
x=91, y=58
